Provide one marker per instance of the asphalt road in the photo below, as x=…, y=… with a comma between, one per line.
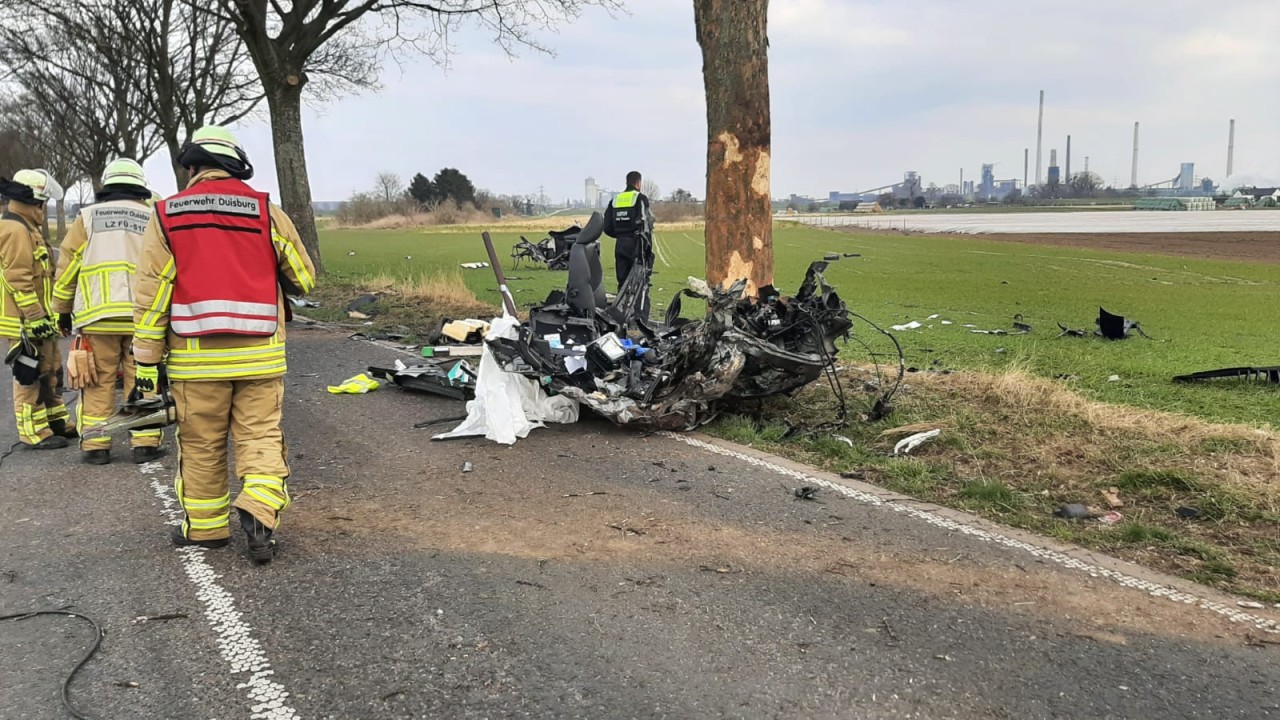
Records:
x=585, y=572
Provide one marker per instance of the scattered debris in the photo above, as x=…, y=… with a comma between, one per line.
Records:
x=852, y=255
x=127, y=684
x=1250, y=604
x=622, y=528
x=851, y=474
x=144, y=619
x=529, y=583
x=1073, y=511
x=907, y=444
x=1259, y=641
x=361, y=303
x=843, y=439
x=1112, y=496
x=808, y=492
x=552, y=251
x=443, y=376
x=1187, y=513
x=303, y=302
x=470, y=331
x=909, y=326
x=357, y=315
x=1111, y=518
x=474, y=265
x=585, y=494
x=1268, y=374
x=1113, y=378
x=467, y=467
x=1111, y=327
x=1019, y=325
x=357, y=385
x=430, y=351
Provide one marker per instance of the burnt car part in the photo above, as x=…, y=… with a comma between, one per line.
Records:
x=680, y=373
x=1270, y=374
x=451, y=378
x=552, y=251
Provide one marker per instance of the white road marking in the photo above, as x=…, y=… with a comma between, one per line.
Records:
x=1232, y=613
x=239, y=649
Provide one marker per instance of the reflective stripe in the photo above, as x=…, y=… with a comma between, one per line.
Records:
x=212, y=307
x=267, y=480
x=216, y=522
x=141, y=332
x=25, y=299
x=306, y=283
x=193, y=351
x=626, y=199
x=229, y=372
x=220, y=324
x=219, y=503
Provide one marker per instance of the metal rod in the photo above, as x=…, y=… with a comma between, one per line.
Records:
x=507, y=300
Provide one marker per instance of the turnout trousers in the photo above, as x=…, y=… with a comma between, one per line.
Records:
x=247, y=413
x=112, y=354
x=36, y=406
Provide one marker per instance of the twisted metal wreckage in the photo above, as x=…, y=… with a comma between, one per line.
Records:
x=677, y=373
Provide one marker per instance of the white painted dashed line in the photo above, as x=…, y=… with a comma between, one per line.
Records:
x=1234, y=614
x=236, y=644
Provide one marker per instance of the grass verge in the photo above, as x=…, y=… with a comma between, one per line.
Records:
x=1015, y=447
x=412, y=306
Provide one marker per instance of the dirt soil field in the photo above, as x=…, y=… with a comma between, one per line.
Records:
x=1245, y=247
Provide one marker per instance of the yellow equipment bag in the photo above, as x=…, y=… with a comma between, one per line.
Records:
x=81, y=371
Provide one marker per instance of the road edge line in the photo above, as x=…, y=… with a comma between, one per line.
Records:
x=239, y=649
x=1125, y=574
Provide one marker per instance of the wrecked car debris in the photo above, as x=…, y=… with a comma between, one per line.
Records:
x=676, y=373
x=552, y=251
x=1269, y=374
x=448, y=377
x=808, y=492
x=1073, y=511
x=1110, y=326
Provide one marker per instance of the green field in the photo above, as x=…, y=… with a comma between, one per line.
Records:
x=1202, y=314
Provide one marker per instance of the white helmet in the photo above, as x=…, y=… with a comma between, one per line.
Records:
x=42, y=184
x=124, y=171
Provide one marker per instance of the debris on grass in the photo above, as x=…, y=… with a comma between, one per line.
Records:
x=907, y=444
x=1112, y=496
x=1111, y=518
x=1073, y=511
x=906, y=326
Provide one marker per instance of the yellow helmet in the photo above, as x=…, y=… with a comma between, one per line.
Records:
x=214, y=146
x=218, y=140
x=42, y=184
x=124, y=171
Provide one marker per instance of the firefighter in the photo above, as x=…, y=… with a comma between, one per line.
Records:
x=209, y=302
x=93, y=296
x=629, y=221
x=27, y=321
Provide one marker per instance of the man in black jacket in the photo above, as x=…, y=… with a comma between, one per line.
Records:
x=629, y=221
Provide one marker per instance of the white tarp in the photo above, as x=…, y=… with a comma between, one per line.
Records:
x=507, y=405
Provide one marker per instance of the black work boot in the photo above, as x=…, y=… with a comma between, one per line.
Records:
x=53, y=442
x=147, y=454
x=262, y=547
x=59, y=428
x=96, y=457
x=181, y=540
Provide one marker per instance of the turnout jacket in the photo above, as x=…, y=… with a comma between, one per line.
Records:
x=26, y=269
x=199, y=309
x=97, y=264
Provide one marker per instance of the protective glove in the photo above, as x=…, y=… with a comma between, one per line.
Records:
x=65, y=324
x=42, y=329
x=146, y=382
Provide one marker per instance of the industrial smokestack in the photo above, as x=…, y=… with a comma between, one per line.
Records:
x=962, y=181
x=1231, y=147
x=1039, y=136
x=1026, y=165
x=1133, y=175
x=1067, y=169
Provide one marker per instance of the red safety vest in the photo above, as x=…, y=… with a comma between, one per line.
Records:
x=220, y=234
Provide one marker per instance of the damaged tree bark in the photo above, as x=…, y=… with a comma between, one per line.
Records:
x=735, y=73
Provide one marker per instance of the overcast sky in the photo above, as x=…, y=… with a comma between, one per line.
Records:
x=862, y=90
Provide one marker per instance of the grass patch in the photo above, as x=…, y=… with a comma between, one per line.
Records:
x=1014, y=447
x=409, y=305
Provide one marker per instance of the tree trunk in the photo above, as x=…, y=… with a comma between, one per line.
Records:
x=735, y=73
x=284, y=102
x=62, y=219
x=174, y=145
